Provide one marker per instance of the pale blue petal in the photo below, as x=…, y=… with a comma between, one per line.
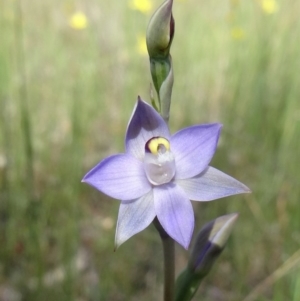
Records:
x=210, y=185
x=174, y=212
x=120, y=176
x=145, y=123
x=134, y=217
x=193, y=148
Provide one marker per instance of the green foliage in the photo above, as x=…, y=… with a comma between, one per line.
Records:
x=232, y=63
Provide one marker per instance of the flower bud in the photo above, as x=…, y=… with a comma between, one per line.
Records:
x=160, y=31
x=209, y=244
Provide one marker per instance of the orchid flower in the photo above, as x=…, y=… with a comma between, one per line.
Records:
x=160, y=173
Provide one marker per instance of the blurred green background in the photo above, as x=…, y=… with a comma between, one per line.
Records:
x=70, y=73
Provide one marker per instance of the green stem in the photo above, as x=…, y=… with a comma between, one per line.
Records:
x=169, y=262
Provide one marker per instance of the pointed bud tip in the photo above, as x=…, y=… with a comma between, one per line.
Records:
x=222, y=229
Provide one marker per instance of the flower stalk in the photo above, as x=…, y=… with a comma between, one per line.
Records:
x=169, y=261
x=163, y=79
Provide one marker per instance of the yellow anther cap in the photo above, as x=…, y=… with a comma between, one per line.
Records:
x=157, y=145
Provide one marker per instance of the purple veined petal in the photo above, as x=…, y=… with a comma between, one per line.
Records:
x=145, y=123
x=193, y=148
x=134, y=217
x=120, y=176
x=174, y=212
x=211, y=184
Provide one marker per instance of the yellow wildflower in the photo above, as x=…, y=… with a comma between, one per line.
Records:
x=141, y=45
x=269, y=6
x=237, y=33
x=78, y=21
x=144, y=6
